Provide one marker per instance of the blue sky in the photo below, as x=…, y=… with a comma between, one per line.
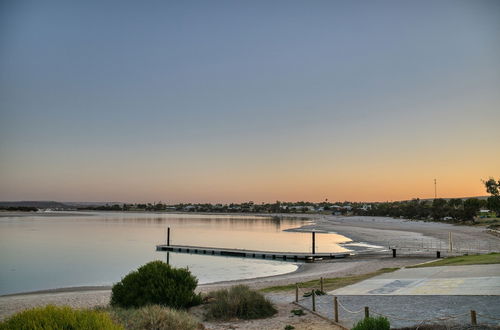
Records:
x=255, y=100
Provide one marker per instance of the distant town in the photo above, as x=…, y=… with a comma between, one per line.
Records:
x=454, y=209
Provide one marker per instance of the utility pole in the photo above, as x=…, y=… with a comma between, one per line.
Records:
x=435, y=189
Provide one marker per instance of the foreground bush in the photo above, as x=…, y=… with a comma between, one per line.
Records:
x=239, y=302
x=53, y=317
x=373, y=323
x=156, y=283
x=154, y=317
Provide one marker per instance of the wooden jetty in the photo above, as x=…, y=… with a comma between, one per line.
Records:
x=240, y=253
x=292, y=256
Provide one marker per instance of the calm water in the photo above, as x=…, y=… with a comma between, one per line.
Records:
x=42, y=252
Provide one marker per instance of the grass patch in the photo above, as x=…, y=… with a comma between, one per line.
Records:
x=55, y=317
x=482, y=259
x=153, y=317
x=329, y=283
x=239, y=302
x=373, y=323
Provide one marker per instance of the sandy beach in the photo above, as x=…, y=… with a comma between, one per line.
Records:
x=371, y=230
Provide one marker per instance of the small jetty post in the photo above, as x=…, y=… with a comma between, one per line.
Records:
x=336, y=308
x=168, y=236
x=367, y=312
x=313, y=242
x=473, y=319
x=168, y=258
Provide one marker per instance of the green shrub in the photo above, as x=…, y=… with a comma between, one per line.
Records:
x=316, y=292
x=154, y=317
x=53, y=317
x=239, y=302
x=156, y=283
x=298, y=312
x=373, y=323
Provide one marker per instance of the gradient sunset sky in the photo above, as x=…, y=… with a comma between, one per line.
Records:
x=229, y=101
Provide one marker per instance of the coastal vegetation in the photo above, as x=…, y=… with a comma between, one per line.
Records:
x=154, y=317
x=238, y=302
x=156, y=283
x=481, y=259
x=373, y=323
x=54, y=317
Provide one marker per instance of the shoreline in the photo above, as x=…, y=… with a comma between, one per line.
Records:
x=94, y=296
x=361, y=230
x=365, y=234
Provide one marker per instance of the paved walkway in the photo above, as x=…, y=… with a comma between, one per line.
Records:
x=410, y=296
x=447, y=280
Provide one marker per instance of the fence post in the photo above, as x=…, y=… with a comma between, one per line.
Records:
x=473, y=319
x=314, y=300
x=321, y=284
x=367, y=312
x=296, y=292
x=336, y=308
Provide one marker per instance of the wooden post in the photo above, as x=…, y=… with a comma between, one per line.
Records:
x=450, y=242
x=314, y=300
x=336, y=308
x=321, y=284
x=168, y=236
x=367, y=312
x=473, y=319
x=314, y=242
x=296, y=292
x=438, y=254
x=168, y=258
x=394, y=253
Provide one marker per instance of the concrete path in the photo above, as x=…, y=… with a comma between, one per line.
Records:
x=446, y=280
x=406, y=311
x=420, y=295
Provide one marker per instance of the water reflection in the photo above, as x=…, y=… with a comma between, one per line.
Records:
x=99, y=248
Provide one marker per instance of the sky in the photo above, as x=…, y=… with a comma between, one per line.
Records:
x=230, y=101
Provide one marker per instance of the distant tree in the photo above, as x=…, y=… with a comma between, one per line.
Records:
x=456, y=208
x=471, y=207
x=455, y=202
x=493, y=188
x=439, y=208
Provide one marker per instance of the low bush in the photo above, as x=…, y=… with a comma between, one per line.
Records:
x=154, y=317
x=297, y=312
x=53, y=317
x=373, y=323
x=156, y=283
x=316, y=292
x=239, y=302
